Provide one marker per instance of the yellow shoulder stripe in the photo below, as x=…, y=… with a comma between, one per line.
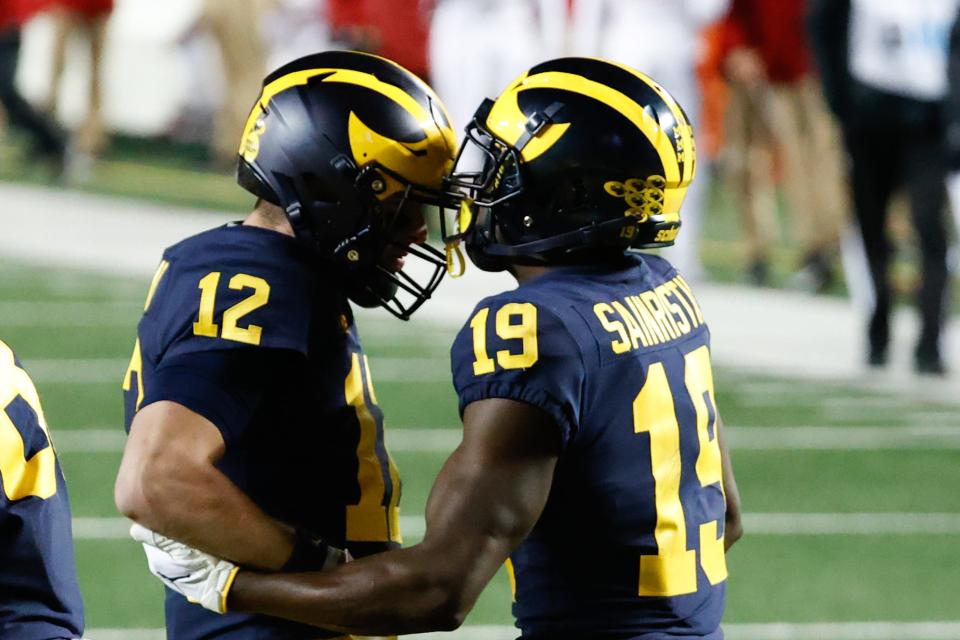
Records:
x=157, y=277
x=20, y=477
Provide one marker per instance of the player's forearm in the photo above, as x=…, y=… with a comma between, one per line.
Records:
x=410, y=593
x=733, y=527
x=168, y=482
x=202, y=508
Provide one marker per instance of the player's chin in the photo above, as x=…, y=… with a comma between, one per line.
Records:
x=393, y=264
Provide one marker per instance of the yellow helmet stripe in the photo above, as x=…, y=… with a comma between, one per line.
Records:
x=507, y=121
x=359, y=78
x=685, y=132
x=499, y=121
x=419, y=81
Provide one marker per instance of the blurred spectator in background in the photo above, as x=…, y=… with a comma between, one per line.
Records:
x=477, y=47
x=89, y=18
x=293, y=29
x=667, y=49
x=235, y=26
x=884, y=73
x=952, y=137
x=777, y=108
x=48, y=142
x=394, y=29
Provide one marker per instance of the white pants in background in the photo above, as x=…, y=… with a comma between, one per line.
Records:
x=661, y=38
x=477, y=47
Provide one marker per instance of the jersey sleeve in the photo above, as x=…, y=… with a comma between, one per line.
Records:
x=233, y=304
x=520, y=350
x=218, y=331
x=225, y=387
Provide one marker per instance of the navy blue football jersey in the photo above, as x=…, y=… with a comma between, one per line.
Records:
x=243, y=327
x=39, y=595
x=630, y=543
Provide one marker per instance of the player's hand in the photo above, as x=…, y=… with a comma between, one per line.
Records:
x=745, y=67
x=197, y=576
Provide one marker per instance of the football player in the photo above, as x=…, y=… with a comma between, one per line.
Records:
x=592, y=459
x=253, y=423
x=39, y=595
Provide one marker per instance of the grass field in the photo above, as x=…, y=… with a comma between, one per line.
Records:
x=857, y=519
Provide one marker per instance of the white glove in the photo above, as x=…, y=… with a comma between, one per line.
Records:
x=197, y=576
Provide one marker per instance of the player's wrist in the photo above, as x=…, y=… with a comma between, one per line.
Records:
x=312, y=553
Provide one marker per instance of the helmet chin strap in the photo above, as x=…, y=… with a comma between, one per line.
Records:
x=456, y=265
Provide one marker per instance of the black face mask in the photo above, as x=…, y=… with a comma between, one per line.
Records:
x=398, y=293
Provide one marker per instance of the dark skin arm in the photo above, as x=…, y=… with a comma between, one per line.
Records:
x=733, y=529
x=485, y=501
x=487, y=498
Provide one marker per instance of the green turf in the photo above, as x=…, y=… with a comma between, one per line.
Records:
x=95, y=473
x=773, y=578
x=72, y=406
x=848, y=481
x=118, y=591
x=843, y=578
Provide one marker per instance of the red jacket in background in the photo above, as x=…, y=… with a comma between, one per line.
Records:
x=398, y=28
x=776, y=30
x=89, y=8
x=17, y=12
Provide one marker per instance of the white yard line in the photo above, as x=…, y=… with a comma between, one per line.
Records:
x=824, y=336
x=764, y=631
x=840, y=414
x=857, y=524
x=101, y=370
x=398, y=439
x=125, y=634
x=864, y=438
x=101, y=529
x=808, y=524
x=24, y=313
x=77, y=370
x=445, y=440
x=756, y=524
x=89, y=440
x=844, y=631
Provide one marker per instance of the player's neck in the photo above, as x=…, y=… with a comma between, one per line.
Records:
x=527, y=272
x=269, y=216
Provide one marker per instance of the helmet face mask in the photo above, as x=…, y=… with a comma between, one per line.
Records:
x=579, y=159
x=346, y=142
x=378, y=284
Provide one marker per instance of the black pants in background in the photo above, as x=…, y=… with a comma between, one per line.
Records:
x=882, y=160
x=47, y=139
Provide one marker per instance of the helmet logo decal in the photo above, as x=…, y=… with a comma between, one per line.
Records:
x=667, y=235
x=644, y=197
x=686, y=148
x=437, y=135
x=407, y=159
x=250, y=145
